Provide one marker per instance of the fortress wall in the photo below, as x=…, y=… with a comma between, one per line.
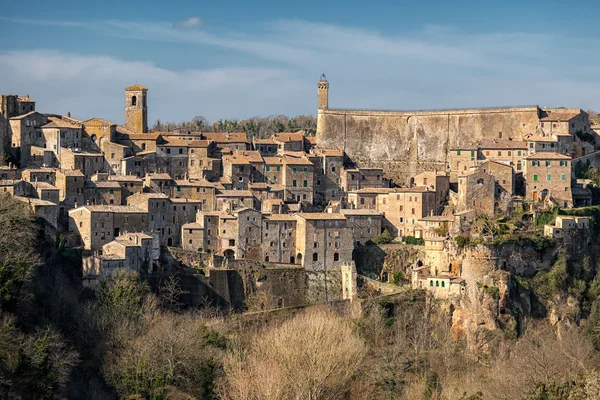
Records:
x=406, y=143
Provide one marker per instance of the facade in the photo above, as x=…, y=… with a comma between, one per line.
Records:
x=548, y=176
x=477, y=192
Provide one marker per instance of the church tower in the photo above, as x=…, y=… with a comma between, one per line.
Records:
x=323, y=86
x=136, y=108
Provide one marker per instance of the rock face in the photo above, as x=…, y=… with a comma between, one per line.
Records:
x=407, y=143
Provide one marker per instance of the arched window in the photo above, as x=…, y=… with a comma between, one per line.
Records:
x=336, y=256
x=443, y=284
x=437, y=283
x=143, y=146
x=315, y=257
x=134, y=101
x=267, y=258
x=430, y=283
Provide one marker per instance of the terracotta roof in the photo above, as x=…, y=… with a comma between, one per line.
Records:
x=258, y=185
x=99, y=121
x=502, y=144
x=234, y=193
x=290, y=160
x=466, y=147
x=289, y=136
x=192, y=225
x=135, y=87
x=44, y=185
x=194, y=183
x=123, y=178
x=560, y=116
x=373, y=191
x=175, y=142
x=359, y=211
x=131, y=235
x=321, y=216
x=159, y=176
x=71, y=172
x=311, y=139
x=25, y=99
x=272, y=160
x=224, y=137
x=252, y=155
x=115, y=209
x=541, y=139
x=543, y=155
x=199, y=143
x=329, y=152
x=9, y=182
x=60, y=123
x=276, y=187
x=280, y=217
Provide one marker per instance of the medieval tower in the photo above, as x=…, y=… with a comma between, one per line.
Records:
x=323, y=86
x=136, y=108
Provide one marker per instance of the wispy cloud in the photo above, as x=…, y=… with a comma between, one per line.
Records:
x=273, y=69
x=191, y=22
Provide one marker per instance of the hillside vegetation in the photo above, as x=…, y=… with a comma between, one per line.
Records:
x=60, y=340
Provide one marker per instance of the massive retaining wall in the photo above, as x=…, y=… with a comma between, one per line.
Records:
x=406, y=143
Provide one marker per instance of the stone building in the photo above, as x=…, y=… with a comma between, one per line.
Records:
x=130, y=185
x=439, y=182
x=200, y=190
x=229, y=140
x=477, y=191
x=192, y=237
x=323, y=240
x=565, y=225
x=402, y=208
x=328, y=165
x=234, y=199
x=94, y=226
x=279, y=239
x=136, y=108
x=504, y=176
x=461, y=160
x=548, y=176
x=289, y=141
x=87, y=162
x=365, y=224
x=509, y=152
x=100, y=191
x=298, y=179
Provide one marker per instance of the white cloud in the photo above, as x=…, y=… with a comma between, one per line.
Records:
x=275, y=69
x=192, y=22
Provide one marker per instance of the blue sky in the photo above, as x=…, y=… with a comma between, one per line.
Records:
x=233, y=59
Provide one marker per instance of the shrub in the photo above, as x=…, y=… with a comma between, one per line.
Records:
x=383, y=238
x=413, y=240
x=462, y=241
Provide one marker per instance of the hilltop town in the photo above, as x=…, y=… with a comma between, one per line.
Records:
x=122, y=193
x=479, y=211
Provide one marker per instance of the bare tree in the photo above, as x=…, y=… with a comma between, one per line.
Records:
x=311, y=356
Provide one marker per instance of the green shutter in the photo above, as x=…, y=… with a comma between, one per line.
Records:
x=535, y=177
x=458, y=152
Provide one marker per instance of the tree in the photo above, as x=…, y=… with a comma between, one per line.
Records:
x=311, y=356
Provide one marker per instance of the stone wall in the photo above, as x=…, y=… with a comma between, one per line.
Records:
x=381, y=262
x=407, y=143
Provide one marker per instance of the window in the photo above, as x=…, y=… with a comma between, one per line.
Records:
x=535, y=177
x=315, y=257
x=112, y=191
x=362, y=200
x=134, y=101
x=305, y=183
x=294, y=183
x=180, y=151
x=458, y=152
x=430, y=283
x=294, y=170
x=499, y=154
x=563, y=163
x=531, y=144
x=563, y=177
x=305, y=169
x=472, y=154
x=336, y=256
x=232, y=242
x=268, y=168
x=548, y=177
x=443, y=283
x=547, y=163
x=437, y=283
x=487, y=153
x=278, y=168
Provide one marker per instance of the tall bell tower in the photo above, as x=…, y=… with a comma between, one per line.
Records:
x=136, y=108
x=323, y=88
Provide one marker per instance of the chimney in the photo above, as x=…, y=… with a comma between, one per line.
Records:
x=69, y=114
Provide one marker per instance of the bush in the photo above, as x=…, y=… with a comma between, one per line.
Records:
x=398, y=278
x=383, y=238
x=413, y=240
x=462, y=241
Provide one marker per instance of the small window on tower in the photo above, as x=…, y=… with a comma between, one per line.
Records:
x=134, y=101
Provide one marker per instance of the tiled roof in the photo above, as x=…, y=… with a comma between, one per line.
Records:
x=543, y=155
x=359, y=211
x=290, y=160
x=99, y=121
x=541, y=139
x=224, y=137
x=559, y=116
x=71, y=172
x=30, y=113
x=135, y=87
x=125, y=178
x=199, y=143
x=25, y=99
x=159, y=176
x=234, y=193
x=289, y=137
x=114, y=209
x=60, y=123
x=272, y=160
x=321, y=216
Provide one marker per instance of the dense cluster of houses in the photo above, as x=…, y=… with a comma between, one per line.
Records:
x=120, y=192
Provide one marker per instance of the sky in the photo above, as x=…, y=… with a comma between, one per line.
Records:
x=238, y=59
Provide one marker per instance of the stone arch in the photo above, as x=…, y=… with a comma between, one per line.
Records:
x=229, y=254
x=134, y=100
x=292, y=260
x=315, y=256
x=170, y=242
x=336, y=256
x=299, y=258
